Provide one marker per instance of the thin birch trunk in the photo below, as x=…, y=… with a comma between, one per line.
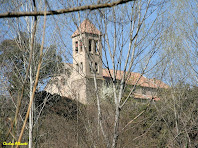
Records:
x=99, y=111
x=31, y=110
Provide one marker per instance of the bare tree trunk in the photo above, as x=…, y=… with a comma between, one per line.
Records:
x=31, y=111
x=99, y=112
x=116, y=126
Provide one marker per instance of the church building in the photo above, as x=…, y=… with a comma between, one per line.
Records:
x=87, y=63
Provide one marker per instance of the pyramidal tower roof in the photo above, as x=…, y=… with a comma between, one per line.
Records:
x=86, y=27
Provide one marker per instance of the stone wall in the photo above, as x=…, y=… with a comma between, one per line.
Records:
x=90, y=89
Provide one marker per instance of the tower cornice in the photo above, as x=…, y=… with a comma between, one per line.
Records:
x=86, y=27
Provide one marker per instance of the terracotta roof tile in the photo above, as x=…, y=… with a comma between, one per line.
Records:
x=86, y=27
x=141, y=96
x=133, y=77
x=144, y=82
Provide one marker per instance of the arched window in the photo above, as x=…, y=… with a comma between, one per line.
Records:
x=76, y=46
x=80, y=46
x=77, y=68
x=96, y=67
x=81, y=66
x=90, y=67
x=90, y=45
x=96, y=46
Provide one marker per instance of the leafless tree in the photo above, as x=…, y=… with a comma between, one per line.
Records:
x=127, y=45
x=133, y=35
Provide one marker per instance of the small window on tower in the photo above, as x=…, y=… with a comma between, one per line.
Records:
x=76, y=46
x=90, y=67
x=81, y=66
x=96, y=67
x=89, y=45
x=80, y=46
x=96, y=46
x=77, y=68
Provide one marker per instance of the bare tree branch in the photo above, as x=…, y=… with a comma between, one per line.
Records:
x=62, y=11
x=36, y=80
x=26, y=76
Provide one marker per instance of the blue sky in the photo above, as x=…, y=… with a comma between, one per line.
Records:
x=61, y=27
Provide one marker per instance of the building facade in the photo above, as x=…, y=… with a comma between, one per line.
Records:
x=87, y=63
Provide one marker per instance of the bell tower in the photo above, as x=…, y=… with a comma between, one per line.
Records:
x=87, y=60
x=87, y=50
